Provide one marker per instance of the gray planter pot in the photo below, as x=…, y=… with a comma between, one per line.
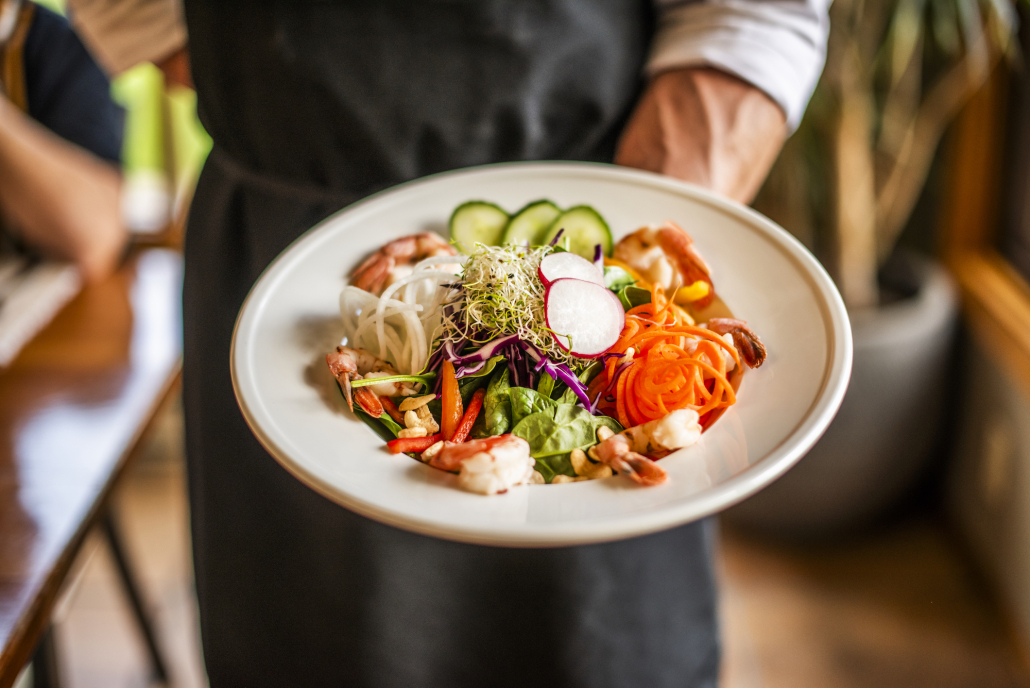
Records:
x=886, y=431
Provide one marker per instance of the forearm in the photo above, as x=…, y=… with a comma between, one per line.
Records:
x=706, y=127
x=60, y=199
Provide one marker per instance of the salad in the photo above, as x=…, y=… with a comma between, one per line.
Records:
x=531, y=348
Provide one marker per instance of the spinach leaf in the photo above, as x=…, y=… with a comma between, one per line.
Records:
x=551, y=466
x=496, y=416
x=570, y=397
x=591, y=371
x=631, y=297
x=546, y=384
x=554, y=432
x=525, y=402
x=436, y=408
x=467, y=386
x=615, y=278
x=383, y=426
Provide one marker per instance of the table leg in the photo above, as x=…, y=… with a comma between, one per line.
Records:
x=114, y=540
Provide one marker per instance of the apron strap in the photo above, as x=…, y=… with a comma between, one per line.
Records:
x=15, y=19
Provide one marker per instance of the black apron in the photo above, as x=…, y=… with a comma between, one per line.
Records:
x=311, y=107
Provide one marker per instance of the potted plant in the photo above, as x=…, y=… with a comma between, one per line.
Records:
x=897, y=73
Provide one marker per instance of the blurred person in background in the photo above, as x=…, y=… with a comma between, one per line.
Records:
x=60, y=144
x=314, y=106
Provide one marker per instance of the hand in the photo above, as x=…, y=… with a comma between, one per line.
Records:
x=61, y=199
x=706, y=127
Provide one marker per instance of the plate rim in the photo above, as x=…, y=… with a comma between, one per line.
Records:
x=835, y=379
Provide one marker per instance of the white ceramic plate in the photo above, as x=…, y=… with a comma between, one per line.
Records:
x=290, y=321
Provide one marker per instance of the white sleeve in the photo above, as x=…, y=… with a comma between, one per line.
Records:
x=778, y=46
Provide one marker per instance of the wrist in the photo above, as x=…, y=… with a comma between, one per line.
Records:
x=706, y=127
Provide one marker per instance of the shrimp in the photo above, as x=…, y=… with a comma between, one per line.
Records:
x=625, y=452
x=488, y=466
x=396, y=260
x=615, y=452
x=346, y=364
x=666, y=256
x=747, y=343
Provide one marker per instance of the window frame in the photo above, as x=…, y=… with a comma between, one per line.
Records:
x=995, y=297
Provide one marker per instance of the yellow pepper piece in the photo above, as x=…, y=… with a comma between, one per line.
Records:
x=697, y=290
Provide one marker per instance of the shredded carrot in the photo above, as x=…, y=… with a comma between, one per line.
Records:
x=674, y=364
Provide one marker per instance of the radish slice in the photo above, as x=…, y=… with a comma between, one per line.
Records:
x=560, y=265
x=583, y=317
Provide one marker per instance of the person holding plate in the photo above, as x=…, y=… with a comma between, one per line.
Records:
x=313, y=106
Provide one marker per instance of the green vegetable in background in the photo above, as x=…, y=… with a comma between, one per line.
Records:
x=616, y=279
x=631, y=297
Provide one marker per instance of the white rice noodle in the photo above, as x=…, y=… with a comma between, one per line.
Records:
x=400, y=325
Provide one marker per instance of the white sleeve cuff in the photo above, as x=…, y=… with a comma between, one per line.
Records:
x=778, y=46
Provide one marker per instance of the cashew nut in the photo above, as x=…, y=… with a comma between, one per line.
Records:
x=432, y=451
x=587, y=469
x=413, y=432
x=412, y=403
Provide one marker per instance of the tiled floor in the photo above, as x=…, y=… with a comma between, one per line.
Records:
x=897, y=609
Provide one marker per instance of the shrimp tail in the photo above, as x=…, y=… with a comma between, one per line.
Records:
x=342, y=366
x=368, y=402
x=638, y=468
x=747, y=343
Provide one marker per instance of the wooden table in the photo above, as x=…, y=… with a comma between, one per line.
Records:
x=73, y=407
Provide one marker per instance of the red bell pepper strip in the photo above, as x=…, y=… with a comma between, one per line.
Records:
x=450, y=416
x=392, y=409
x=412, y=445
x=469, y=419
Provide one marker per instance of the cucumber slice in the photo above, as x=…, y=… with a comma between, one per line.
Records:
x=529, y=225
x=584, y=228
x=477, y=222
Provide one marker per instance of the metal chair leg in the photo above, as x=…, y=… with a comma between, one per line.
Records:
x=45, y=672
x=114, y=540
